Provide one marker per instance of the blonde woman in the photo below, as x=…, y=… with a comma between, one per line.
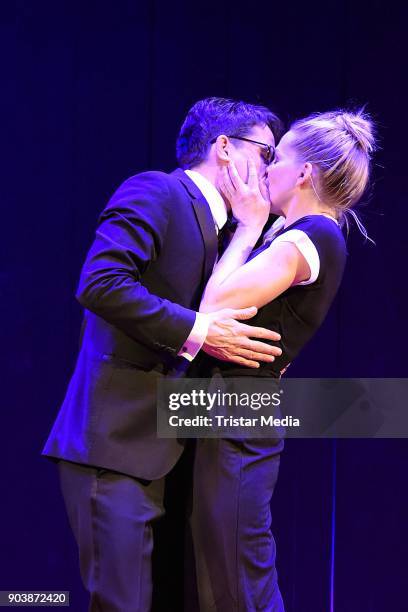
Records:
x=319, y=172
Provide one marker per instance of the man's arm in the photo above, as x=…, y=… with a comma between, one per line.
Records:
x=129, y=236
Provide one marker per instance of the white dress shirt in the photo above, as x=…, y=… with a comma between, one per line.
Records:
x=218, y=209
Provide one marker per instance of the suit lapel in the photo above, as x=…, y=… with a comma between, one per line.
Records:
x=205, y=221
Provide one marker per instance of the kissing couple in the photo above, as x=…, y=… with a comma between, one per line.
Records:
x=171, y=287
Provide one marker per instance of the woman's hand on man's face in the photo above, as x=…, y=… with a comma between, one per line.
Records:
x=248, y=205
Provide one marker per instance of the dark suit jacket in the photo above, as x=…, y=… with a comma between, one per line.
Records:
x=154, y=250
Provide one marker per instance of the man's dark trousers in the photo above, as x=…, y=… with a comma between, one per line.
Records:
x=154, y=250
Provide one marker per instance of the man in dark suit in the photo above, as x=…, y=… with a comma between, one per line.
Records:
x=155, y=246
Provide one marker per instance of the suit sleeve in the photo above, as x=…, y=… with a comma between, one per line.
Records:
x=129, y=236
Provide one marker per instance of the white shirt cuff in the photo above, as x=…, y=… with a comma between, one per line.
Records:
x=196, y=338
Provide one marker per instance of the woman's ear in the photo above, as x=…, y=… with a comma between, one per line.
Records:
x=222, y=146
x=305, y=173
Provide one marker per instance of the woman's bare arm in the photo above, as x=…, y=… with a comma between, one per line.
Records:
x=257, y=282
x=235, y=283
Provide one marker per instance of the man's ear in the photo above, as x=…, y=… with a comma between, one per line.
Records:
x=305, y=172
x=222, y=147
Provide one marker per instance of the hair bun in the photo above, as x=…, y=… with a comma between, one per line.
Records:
x=360, y=127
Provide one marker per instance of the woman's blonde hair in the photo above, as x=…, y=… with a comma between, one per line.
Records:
x=339, y=145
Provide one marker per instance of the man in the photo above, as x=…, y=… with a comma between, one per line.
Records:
x=155, y=247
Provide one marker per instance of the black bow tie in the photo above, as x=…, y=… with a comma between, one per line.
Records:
x=225, y=234
x=231, y=224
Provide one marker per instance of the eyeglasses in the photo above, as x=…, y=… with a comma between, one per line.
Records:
x=268, y=150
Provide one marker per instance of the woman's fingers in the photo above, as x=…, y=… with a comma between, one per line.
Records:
x=253, y=182
x=236, y=180
x=225, y=184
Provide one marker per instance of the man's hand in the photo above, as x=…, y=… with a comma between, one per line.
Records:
x=230, y=340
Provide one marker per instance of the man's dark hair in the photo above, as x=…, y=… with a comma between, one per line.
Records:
x=211, y=117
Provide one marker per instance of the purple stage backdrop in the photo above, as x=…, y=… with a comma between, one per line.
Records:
x=93, y=92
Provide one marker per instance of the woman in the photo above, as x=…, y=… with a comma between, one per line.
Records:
x=319, y=172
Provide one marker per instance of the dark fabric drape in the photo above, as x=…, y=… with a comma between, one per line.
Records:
x=93, y=92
